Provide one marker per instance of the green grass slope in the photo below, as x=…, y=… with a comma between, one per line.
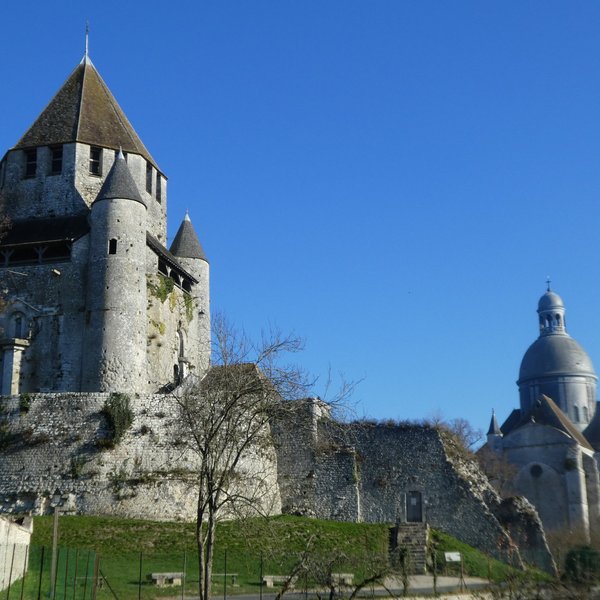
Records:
x=127, y=548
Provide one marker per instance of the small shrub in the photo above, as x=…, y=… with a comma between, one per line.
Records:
x=582, y=565
x=119, y=418
x=24, y=403
x=6, y=436
x=77, y=463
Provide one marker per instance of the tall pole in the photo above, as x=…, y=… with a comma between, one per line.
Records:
x=183, y=578
x=54, y=553
x=140, y=577
x=225, y=578
x=41, y=573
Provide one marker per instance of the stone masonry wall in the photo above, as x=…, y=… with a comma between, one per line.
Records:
x=54, y=454
x=367, y=476
x=14, y=550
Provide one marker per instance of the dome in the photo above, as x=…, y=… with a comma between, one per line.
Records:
x=555, y=355
x=550, y=301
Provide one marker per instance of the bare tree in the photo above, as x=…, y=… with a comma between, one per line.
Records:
x=224, y=425
x=460, y=429
x=498, y=470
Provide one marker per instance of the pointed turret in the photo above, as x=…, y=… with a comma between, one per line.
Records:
x=119, y=183
x=494, y=434
x=494, y=427
x=187, y=249
x=186, y=243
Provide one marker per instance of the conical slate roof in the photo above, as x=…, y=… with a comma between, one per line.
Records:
x=119, y=183
x=494, y=427
x=186, y=243
x=84, y=110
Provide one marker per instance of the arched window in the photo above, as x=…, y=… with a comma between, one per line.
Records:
x=576, y=414
x=112, y=246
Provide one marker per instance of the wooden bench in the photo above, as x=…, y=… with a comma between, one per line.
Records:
x=271, y=580
x=234, y=577
x=166, y=579
x=342, y=578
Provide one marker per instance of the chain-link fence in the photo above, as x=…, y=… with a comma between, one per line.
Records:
x=72, y=574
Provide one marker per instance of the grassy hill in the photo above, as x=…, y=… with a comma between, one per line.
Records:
x=125, y=548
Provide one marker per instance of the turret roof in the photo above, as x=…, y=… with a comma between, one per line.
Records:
x=186, y=243
x=84, y=110
x=494, y=427
x=119, y=183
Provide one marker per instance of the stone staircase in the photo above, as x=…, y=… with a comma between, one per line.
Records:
x=411, y=539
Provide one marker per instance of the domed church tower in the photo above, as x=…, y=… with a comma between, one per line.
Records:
x=548, y=441
x=556, y=366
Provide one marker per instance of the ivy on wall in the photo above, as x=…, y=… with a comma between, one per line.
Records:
x=119, y=417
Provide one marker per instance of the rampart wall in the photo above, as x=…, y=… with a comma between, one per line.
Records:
x=56, y=451
x=367, y=472
x=14, y=550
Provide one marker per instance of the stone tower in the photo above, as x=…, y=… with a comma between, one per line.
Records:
x=94, y=301
x=115, y=319
x=187, y=249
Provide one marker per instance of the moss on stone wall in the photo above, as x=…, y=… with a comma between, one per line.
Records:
x=189, y=307
x=162, y=289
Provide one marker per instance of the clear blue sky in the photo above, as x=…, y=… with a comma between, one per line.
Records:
x=391, y=180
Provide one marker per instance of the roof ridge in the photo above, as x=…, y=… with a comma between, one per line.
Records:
x=109, y=97
x=80, y=103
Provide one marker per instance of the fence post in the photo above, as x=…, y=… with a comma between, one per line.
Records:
x=66, y=575
x=75, y=576
x=140, y=577
x=55, y=552
x=225, y=577
x=183, y=578
x=96, y=569
x=53, y=583
x=12, y=562
x=261, y=574
x=25, y=557
x=41, y=573
x=87, y=572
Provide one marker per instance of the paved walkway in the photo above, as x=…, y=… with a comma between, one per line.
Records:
x=421, y=586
